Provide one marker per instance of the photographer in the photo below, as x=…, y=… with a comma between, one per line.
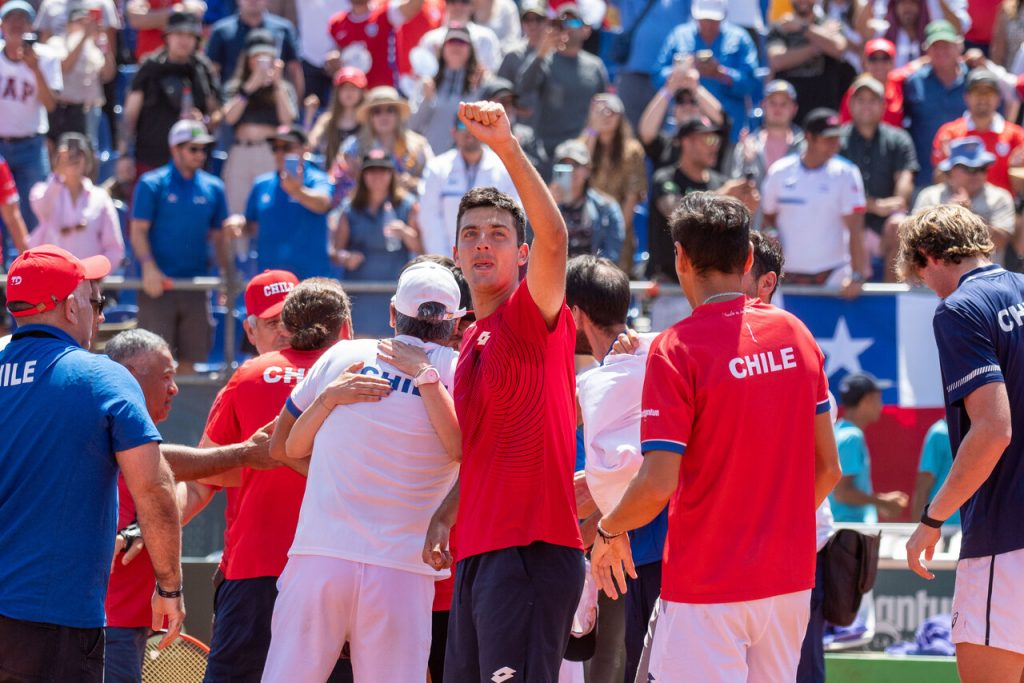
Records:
x=593, y=219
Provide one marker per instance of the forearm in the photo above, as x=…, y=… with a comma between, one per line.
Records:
x=160, y=522
x=545, y=219
x=644, y=499
x=299, y=444
x=922, y=487
x=68, y=63
x=234, y=109
x=654, y=116
x=192, y=498
x=441, y=412
x=15, y=224
x=858, y=257
x=708, y=105
x=286, y=111
x=848, y=494
x=788, y=59
x=43, y=92
x=139, y=238
x=977, y=457
x=149, y=19
x=448, y=510
x=189, y=464
x=312, y=200
x=832, y=44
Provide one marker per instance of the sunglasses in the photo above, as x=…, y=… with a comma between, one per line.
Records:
x=196, y=149
x=459, y=125
x=711, y=139
x=384, y=110
x=572, y=23
x=68, y=229
x=532, y=19
x=98, y=304
x=879, y=57
x=972, y=170
x=282, y=148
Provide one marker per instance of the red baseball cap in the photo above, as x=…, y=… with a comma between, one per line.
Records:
x=45, y=275
x=350, y=74
x=265, y=293
x=880, y=45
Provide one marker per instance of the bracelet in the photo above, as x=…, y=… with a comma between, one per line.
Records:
x=930, y=521
x=604, y=534
x=168, y=594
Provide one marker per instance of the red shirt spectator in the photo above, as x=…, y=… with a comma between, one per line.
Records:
x=409, y=34
x=983, y=20
x=879, y=58
x=375, y=29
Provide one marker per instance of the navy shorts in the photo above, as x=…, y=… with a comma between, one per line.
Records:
x=242, y=611
x=511, y=614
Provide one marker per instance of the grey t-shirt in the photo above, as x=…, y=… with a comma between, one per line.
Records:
x=564, y=87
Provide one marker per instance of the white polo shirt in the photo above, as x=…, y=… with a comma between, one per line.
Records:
x=809, y=205
x=378, y=470
x=22, y=113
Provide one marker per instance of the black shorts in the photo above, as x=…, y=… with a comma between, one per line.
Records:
x=183, y=319
x=511, y=614
x=31, y=651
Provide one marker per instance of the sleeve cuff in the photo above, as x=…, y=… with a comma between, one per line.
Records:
x=292, y=408
x=662, y=445
x=822, y=407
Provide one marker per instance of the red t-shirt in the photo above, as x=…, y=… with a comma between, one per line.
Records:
x=734, y=390
x=376, y=32
x=430, y=17
x=983, y=19
x=1003, y=138
x=151, y=39
x=515, y=398
x=8, y=190
x=264, y=509
x=130, y=589
x=893, y=114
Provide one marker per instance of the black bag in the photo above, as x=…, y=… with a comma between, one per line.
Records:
x=618, y=53
x=851, y=564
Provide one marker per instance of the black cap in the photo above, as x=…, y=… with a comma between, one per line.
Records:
x=184, y=22
x=822, y=121
x=378, y=158
x=856, y=385
x=260, y=37
x=496, y=87
x=294, y=133
x=981, y=77
x=697, y=124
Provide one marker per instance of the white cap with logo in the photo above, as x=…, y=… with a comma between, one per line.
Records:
x=713, y=10
x=187, y=130
x=426, y=282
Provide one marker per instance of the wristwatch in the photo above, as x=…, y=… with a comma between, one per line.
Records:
x=604, y=534
x=428, y=375
x=930, y=521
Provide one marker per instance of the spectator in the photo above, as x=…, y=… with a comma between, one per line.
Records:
x=885, y=157
x=965, y=171
x=486, y=45
x=447, y=178
x=229, y=41
x=532, y=19
x=31, y=75
x=1008, y=33
x=503, y=92
x=382, y=120
x=878, y=59
x=408, y=37
x=53, y=17
x=73, y=213
x=904, y=22
x=317, y=52
x=934, y=94
x=983, y=21
x=375, y=28
x=177, y=210
x=777, y=138
x=259, y=101
x=563, y=78
x=807, y=49
x=724, y=56
x=815, y=200
x=377, y=233
x=932, y=470
x=337, y=124
x=10, y=209
x=502, y=17
x=88, y=62
x=593, y=219
x=982, y=119
x=173, y=83
x=648, y=25
x=853, y=499
x=457, y=80
x=151, y=17
x=287, y=210
x=618, y=167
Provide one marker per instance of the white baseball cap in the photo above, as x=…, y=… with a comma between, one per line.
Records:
x=713, y=10
x=426, y=282
x=188, y=130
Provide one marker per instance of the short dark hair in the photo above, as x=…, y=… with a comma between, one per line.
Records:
x=599, y=287
x=714, y=230
x=429, y=324
x=768, y=256
x=483, y=197
x=314, y=312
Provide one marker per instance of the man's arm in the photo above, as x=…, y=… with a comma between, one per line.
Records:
x=827, y=472
x=648, y=493
x=192, y=497
x=310, y=198
x=151, y=484
x=279, y=441
x=922, y=487
x=43, y=92
x=858, y=257
x=189, y=464
x=830, y=42
x=15, y=223
x=152, y=277
x=435, y=546
x=782, y=58
x=545, y=275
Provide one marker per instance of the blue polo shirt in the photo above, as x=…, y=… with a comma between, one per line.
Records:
x=290, y=237
x=65, y=413
x=978, y=329
x=927, y=104
x=856, y=462
x=227, y=41
x=181, y=213
x=651, y=33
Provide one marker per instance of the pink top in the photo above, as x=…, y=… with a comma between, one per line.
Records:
x=61, y=217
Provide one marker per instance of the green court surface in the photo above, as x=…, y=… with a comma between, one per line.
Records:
x=879, y=668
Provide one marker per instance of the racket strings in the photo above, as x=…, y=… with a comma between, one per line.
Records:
x=182, y=661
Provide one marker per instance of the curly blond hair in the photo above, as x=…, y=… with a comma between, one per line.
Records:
x=946, y=233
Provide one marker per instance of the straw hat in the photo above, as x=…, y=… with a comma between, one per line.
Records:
x=381, y=96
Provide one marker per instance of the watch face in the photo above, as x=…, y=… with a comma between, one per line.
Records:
x=428, y=377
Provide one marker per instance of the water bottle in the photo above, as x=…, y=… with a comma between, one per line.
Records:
x=392, y=242
x=187, y=103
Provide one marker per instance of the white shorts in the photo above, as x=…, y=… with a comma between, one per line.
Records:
x=323, y=601
x=988, y=600
x=737, y=642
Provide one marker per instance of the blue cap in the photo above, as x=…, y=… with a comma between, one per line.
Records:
x=969, y=152
x=14, y=6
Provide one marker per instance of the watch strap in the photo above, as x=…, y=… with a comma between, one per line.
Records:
x=930, y=521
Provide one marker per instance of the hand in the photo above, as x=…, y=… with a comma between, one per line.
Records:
x=709, y=69
x=683, y=75
x=429, y=89
x=923, y=540
x=974, y=58
x=550, y=41
x=791, y=24
x=174, y=610
x=234, y=226
x=585, y=505
x=276, y=72
x=850, y=288
x=132, y=553
x=29, y=56
x=332, y=62
x=887, y=206
x=152, y=280
x=487, y=122
x=435, y=547
x=351, y=387
x=351, y=260
x=401, y=230
x=257, y=449
x=610, y=561
x=891, y=504
x=743, y=190
x=409, y=359
x=253, y=83
x=124, y=169
x=627, y=342
x=961, y=197
x=292, y=184
x=311, y=105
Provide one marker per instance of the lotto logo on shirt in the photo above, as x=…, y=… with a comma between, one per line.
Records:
x=274, y=374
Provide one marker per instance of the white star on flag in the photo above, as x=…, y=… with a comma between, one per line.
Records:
x=843, y=351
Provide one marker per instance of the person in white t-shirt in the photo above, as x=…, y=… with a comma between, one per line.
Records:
x=815, y=200
x=30, y=74
x=378, y=470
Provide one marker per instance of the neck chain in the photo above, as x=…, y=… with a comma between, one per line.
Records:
x=722, y=295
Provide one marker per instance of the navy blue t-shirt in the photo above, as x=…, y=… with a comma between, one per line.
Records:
x=227, y=41
x=979, y=329
x=65, y=412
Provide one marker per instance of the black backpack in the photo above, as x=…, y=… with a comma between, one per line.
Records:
x=851, y=564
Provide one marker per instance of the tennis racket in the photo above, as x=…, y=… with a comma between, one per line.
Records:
x=183, y=661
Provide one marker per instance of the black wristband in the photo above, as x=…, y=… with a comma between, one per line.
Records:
x=168, y=594
x=929, y=521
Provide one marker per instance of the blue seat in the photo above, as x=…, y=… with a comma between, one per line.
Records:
x=121, y=313
x=215, y=360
